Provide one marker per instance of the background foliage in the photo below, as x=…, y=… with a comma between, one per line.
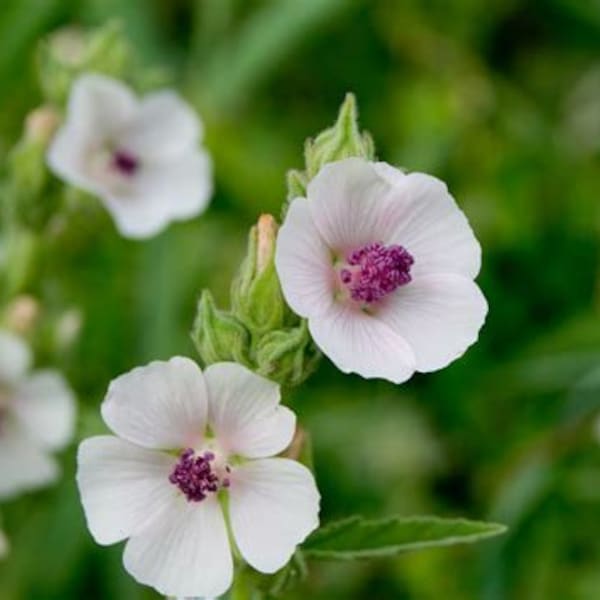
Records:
x=499, y=98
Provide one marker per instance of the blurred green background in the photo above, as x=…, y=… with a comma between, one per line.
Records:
x=502, y=100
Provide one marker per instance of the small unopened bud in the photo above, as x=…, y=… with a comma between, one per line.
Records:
x=218, y=335
x=343, y=140
x=287, y=356
x=68, y=328
x=69, y=45
x=41, y=124
x=256, y=295
x=69, y=52
x=19, y=257
x=21, y=314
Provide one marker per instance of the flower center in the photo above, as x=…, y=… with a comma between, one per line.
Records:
x=374, y=271
x=125, y=163
x=197, y=476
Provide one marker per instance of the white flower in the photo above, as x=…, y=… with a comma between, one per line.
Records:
x=382, y=265
x=186, y=440
x=37, y=415
x=4, y=545
x=141, y=156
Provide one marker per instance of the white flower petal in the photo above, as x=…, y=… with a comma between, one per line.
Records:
x=352, y=204
x=357, y=342
x=165, y=127
x=99, y=107
x=23, y=465
x=161, y=405
x=15, y=358
x=274, y=505
x=432, y=228
x=123, y=487
x=185, y=553
x=162, y=193
x=439, y=315
x=4, y=545
x=244, y=412
x=304, y=262
x=45, y=408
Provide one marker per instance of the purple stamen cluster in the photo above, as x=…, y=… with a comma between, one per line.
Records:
x=195, y=477
x=125, y=163
x=375, y=270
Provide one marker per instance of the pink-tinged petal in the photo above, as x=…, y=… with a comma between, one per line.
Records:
x=23, y=465
x=162, y=405
x=244, y=412
x=185, y=553
x=304, y=262
x=274, y=505
x=439, y=315
x=45, y=407
x=15, y=358
x=358, y=342
x=432, y=228
x=164, y=128
x=352, y=205
x=123, y=487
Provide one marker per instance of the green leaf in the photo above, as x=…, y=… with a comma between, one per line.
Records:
x=359, y=538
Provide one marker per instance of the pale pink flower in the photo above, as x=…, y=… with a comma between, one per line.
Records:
x=189, y=445
x=382, y=263
x=141, y=156
x=37, y=418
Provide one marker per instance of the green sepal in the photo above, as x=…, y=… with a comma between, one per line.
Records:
x=256, y=297
x=288, y=356
x=342, y=140
x=28, y=199
x=218, y=335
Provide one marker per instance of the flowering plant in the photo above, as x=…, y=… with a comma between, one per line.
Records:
x=207, y=474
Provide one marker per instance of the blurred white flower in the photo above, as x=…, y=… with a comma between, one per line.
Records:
x=140, y=156
x=4, y=546
x=37, y=417
x=382, y=264
x=187, y=439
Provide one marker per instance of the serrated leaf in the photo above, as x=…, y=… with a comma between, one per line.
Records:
x=359, y=538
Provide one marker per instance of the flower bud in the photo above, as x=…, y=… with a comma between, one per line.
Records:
x=287, y=356
x=41, y=124
x=21, y=314
x=256, y=296
x=70, y=51
x=343, y=140
x=18, y=258
x=218, y=335
x=27, y=171
x=67, y=329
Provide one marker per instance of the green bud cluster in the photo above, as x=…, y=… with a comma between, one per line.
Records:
x=71, y=51
x=259, y=330
x=343, y=140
